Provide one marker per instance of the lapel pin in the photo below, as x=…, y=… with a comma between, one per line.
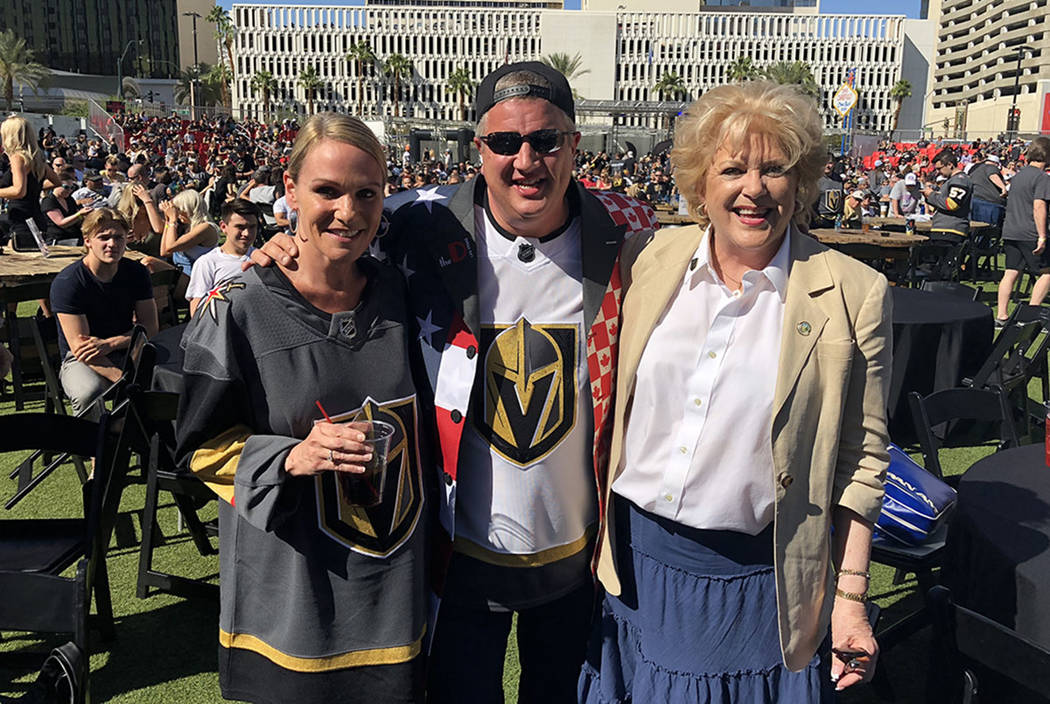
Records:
x=693, y=263
x=804, y=328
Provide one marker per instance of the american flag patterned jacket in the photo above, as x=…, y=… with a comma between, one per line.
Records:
x=431, y=239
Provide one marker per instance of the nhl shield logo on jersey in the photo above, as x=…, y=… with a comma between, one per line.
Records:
x=526, y=403
x=378, y=531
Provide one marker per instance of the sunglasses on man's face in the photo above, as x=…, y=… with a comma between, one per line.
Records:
x=509, y=143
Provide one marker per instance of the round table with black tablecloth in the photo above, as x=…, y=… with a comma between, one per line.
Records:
x=167, y=373
x=938, y=340
x=997, y=559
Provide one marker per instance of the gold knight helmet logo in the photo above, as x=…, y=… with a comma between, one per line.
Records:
x=527, y=398
x=380, y=530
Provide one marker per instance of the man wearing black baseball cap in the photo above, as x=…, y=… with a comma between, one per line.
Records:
x=515, y=288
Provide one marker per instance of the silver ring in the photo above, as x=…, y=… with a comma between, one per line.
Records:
x=855, y=664
x=331, y=457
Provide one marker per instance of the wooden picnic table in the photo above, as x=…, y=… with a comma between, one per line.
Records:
x=921, y=225
x=880, y=238
x=666, y=218
x=22, y=267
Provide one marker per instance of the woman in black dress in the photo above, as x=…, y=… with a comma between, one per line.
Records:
x=62, y=212
x=22, y=184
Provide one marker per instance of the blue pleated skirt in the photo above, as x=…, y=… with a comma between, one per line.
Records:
x=696, y=621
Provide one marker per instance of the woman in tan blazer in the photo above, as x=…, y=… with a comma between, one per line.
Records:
x=750, y=438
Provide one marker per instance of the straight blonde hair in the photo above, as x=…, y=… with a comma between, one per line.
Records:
x=191, y=203
x=18, y=138
x=338, y=128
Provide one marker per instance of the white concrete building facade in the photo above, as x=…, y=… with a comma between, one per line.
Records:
x=624, y=53
x=977, y=78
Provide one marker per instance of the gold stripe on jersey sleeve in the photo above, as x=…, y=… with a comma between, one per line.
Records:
x=215, y=462
x=536, y=559
x=357, y=658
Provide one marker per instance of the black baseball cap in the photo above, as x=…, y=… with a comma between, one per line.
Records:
x=559, y=93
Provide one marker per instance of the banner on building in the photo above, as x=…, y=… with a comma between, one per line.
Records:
x=1044, y=123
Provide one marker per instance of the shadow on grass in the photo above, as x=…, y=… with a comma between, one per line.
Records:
x=156, y=647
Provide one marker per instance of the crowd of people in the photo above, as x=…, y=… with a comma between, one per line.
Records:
x=547, y=359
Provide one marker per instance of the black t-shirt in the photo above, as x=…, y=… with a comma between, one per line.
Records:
x=54, y=232
x=108, y=307
x=983, y=188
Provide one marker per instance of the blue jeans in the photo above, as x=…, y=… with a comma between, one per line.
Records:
x=983, y=211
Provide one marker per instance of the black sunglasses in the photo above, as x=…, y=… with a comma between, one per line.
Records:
x=509, y=143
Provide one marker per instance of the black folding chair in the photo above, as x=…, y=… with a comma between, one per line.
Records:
x=1019, y=355
x=35, y=552
x=19, y=332
x=138, y=368
x=962, y=637
x=951, y=288
x=45, y=339
x=981, y=254
x=154, y=414
x=935, y=260
x=172, y=314
x=1017, y=334
x=962, y=417
x=871, y=254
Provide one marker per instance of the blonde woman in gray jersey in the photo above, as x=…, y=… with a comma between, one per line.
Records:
x=322, y=594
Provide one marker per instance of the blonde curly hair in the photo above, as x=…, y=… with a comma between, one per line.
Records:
x=727, y=116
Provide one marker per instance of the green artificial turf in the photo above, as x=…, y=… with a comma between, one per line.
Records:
x=165, y=649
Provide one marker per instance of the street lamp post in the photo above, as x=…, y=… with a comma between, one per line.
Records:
x=196, y=66
x=1010, y=120
x=120, y=66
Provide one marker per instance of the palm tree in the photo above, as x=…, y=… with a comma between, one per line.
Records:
x=265, y=83
x=743, y=69
x=397, y=67
x=670, y=86
x=900, y=92
x=206, y=91
x=462, y=85
x=310, y=82
x=224, y=32
x=794, y=73
x=361, y=54
x=220, y=76
x=568, y=66
x=17, y=66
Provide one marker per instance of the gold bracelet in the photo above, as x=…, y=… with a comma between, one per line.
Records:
x=844, y=572
x=851, y=596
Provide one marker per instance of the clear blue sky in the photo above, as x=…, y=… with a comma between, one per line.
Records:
x=887, y=7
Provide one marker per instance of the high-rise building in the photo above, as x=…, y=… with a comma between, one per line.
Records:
x=623, y=55
x=992, y=56
x=494, y=4
x=802, y=6
x=91, y=37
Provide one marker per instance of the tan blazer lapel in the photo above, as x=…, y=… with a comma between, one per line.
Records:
x=656, y=276
x=803, y=317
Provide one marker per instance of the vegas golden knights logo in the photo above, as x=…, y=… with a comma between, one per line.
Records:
x=380, y=530
x=833, y=200
x=526, y=402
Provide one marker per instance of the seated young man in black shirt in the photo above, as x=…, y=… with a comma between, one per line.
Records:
x=98, y=300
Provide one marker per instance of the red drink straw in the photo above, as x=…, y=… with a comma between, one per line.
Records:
x=323, y=411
